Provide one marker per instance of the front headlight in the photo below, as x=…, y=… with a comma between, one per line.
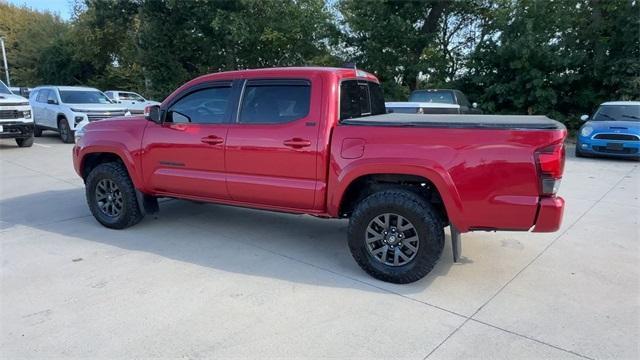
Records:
x=586, y=131
x=79, y=133
x=26, y=114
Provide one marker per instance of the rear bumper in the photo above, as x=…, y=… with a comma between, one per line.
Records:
x=16, y=129
x=549, y=215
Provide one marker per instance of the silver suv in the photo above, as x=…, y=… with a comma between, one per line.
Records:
x=63, y=108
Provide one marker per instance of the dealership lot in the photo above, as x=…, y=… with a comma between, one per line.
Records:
x=203, y=281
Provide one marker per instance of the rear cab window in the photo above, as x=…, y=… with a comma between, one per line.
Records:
x=275, y=101
x=360, y=98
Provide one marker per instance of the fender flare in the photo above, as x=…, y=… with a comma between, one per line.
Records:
x=118, y=149
x=426, y=169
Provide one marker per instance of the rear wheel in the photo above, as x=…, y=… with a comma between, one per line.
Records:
x=25, y=142
x=396, y=236
x=66, y=134
x=111, y=196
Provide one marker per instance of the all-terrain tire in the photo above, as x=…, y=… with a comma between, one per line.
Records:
x=66, y=134
x=25, y=142
x=416, y=210
x=115, y=172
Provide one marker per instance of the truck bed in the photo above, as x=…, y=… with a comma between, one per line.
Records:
x=512, y=122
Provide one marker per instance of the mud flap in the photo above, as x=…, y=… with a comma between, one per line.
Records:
x=147, y=204
x=456, y=244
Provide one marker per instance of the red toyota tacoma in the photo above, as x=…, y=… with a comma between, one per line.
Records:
x=317, y=141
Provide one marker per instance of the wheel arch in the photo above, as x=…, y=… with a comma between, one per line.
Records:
x=96, y=156
x=435, y=187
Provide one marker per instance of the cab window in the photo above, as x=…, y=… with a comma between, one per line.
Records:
x=360, y=98
x=204, y=106
x=275, y=101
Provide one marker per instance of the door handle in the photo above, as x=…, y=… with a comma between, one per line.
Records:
x=297, y=143
x=212, y=140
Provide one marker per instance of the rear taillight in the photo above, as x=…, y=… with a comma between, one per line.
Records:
x=550, y=161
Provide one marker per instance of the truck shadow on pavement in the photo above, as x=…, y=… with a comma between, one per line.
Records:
x=294, y=248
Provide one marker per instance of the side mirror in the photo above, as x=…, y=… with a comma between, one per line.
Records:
x=475, y=105
x=52, y=102
x=584, y=117
x=152, y=113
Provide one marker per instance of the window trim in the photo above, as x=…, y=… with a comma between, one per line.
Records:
x=272, y=82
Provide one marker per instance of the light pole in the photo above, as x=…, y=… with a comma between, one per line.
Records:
x=4, y=57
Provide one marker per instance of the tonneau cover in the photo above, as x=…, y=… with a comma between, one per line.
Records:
x=458, y=121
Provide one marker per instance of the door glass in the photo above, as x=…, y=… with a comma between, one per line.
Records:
x=206, y=106
x=360, y=98
x=43, y=94
x=274, y=104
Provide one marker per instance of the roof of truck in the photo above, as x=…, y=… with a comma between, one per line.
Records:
x=276, y=71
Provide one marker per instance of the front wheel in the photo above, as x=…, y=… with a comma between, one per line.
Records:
x=396, y=236
x=111, y=196
x=66, y=134
x=25, y=142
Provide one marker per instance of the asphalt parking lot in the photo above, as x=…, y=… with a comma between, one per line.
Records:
x=208, y=281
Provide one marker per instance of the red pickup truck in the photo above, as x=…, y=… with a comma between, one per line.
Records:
x=317, y=141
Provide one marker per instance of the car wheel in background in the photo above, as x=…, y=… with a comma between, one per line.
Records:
x=111, y=196
x=25, y=142
x=396, y=236
x=66, y=134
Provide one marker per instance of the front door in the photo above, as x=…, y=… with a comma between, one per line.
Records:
x=272, y=150
x=184, y=155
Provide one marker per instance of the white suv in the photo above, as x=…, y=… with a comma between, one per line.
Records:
x=133, y=101
x=15, y=118
x=63, y=108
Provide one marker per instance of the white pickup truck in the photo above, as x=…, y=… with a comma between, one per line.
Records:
x=16, y=120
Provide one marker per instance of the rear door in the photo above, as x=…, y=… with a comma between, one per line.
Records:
x=185, y=154
x=272, y=148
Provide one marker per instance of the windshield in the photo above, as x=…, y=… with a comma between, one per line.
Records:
x=83, y=97
x=617, y=113
x=4, y=89
x=444, y=96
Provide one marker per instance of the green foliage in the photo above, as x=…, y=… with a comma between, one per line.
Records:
x=555, y=57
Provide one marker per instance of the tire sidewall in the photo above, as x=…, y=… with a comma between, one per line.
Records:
x=429, y=248
x=66, y=134
x=25, y=142
x=101, y=172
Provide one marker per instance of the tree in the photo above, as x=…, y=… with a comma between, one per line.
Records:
x=392, y=38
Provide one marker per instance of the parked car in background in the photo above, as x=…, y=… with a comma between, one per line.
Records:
x=613, y=130
x=16, y=121
x=19, y=90
x=133, y=101
x=434, y=101
x=318, y=141
x=403, y=107
x=63, y=108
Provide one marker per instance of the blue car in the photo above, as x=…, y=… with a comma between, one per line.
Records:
x=614, y=130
